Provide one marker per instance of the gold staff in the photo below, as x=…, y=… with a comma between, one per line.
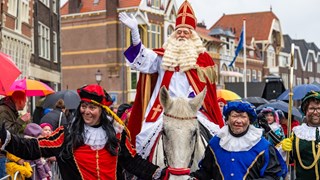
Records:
x=290, y=97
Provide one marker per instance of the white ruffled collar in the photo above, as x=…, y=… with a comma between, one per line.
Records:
x=96, y=138
x=305, y=132
x=236, y=144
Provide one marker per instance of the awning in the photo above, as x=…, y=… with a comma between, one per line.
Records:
x=231, y=73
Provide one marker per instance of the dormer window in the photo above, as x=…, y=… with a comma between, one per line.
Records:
x=155, y=4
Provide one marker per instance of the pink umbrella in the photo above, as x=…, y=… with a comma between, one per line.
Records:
x=9, y=73
x=30, y=87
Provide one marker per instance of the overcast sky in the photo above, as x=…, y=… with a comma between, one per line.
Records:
x=298, y=18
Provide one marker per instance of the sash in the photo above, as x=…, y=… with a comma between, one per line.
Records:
x=156, y=108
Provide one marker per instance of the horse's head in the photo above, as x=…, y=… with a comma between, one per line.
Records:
x=180, y=128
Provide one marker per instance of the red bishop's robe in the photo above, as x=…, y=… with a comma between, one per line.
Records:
x=146, y=85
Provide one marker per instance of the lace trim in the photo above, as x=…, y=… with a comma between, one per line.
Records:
x=305, y=132
x=237, y=144
x=96, y=138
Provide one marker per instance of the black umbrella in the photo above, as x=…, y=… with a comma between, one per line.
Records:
x=257, y=101
x=70, y=97
x=283, y=106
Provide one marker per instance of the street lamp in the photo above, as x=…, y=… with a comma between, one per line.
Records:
x=98, y=76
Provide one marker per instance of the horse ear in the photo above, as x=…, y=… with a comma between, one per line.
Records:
x=196, y=102
x=164, y=97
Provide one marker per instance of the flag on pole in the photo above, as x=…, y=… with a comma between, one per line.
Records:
x=240, y=46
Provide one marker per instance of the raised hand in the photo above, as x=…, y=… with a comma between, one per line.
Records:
x=132, y=24
x=129, y=21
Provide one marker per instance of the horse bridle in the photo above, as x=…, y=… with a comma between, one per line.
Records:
x=180, y=118
x=192, y=155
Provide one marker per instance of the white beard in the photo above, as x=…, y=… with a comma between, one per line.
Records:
x=182, y=53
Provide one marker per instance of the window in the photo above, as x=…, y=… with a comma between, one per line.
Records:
x=299, y=81
x=44, y=41
x=133, y=79
x=271, y=57
x=19, y=51
x=259, y=76
x=154, y=36
x=13, y=7
x=25, y=11
x=318, y=67
x=155, y=3
x=228, y=45
x=283, y=61
x=254, y=76
x=248, y=75
x=54, y=6
x=285, y=80
x=55, y=47
x=310, y=67
x=311, y=79
x=170, y=30
x=241, y=78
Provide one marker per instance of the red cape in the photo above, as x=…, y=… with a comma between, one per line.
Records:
x=146, y=85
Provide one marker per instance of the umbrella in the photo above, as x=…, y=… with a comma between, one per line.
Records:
x=30, y=87
x=227, y=95
x=255, y=100
x=299, y=91
x=9, y=73
x=70, y=97
x=283, y=106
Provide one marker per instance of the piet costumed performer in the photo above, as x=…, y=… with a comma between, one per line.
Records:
x=239, y=151
x=182, y=66
x=92, y=147
x=305, y=139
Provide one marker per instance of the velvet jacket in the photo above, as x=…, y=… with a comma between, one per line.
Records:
x=83, y=163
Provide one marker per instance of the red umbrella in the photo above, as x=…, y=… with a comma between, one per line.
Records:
x=30, y=87
x=9, y=73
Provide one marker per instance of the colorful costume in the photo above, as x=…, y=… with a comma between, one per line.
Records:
x=84, y=163
x=304, y=142
x=245, y=155
x=84, y=150
x=306, y=152
x=146, y=116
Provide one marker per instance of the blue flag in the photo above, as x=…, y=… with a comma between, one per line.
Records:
x=240, y=46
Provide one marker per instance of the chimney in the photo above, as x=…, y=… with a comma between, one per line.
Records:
x=74, y=6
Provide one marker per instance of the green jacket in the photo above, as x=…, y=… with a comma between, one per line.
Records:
x=306, y=153
x=10, y=116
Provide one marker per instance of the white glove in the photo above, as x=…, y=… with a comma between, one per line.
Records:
x=132, y=24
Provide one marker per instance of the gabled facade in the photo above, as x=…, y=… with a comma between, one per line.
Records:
x=306, y=62
x=263, y=44
x=94, y=39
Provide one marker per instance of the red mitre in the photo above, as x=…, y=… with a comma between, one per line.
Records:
x=186, y=17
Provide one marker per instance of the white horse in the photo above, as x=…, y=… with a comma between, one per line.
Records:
x=180, y=145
